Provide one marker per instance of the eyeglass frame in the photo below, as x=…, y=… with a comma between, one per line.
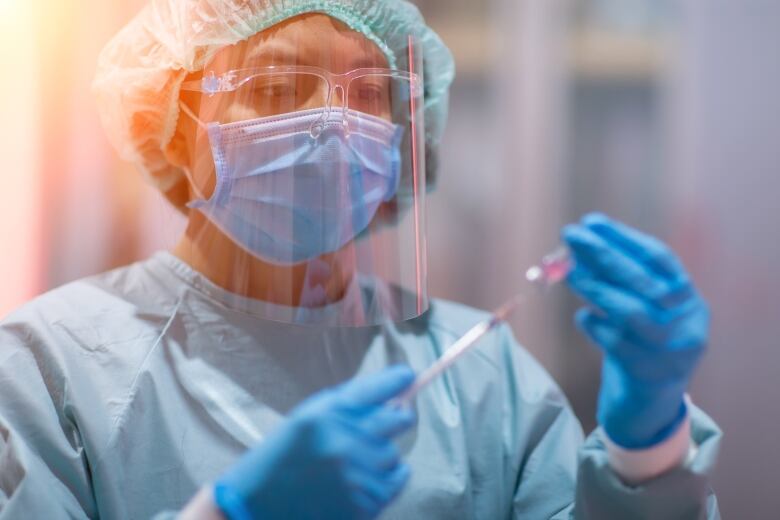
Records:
x=213, y=84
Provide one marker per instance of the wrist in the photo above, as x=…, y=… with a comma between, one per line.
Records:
x=639, y=423
x=640, y=465
x=202, y=507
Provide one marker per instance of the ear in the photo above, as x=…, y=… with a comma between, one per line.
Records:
x=187, y=151
x=177, y=152
x=179, y=195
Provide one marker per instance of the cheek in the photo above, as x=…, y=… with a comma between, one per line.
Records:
x=239, y=112
x=203, y=173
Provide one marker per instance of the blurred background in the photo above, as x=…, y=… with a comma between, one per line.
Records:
x=663, y=113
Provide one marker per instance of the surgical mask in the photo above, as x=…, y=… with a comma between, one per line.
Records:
x=291, y=188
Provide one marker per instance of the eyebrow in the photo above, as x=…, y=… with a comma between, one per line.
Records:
x=271, y=51
x=367, y=63
x=287, y=53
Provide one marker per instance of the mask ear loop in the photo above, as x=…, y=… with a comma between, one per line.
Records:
x=184, y=108
x=187, y=173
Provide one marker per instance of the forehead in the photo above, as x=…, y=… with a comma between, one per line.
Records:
x=311, y=39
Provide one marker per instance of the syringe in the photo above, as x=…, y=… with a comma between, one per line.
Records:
x=552, y=269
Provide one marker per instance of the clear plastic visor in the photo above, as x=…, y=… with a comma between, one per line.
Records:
x=308, y=174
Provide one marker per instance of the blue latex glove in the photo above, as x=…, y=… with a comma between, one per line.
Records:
x=332, y=458
x=648, y=319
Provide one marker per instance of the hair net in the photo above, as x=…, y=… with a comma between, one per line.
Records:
x=140, y=71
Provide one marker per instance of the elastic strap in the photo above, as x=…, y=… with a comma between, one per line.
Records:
x=184, y=108
x=187, y=173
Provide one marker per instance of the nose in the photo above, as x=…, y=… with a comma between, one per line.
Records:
x=337, y=100
x=337, y=97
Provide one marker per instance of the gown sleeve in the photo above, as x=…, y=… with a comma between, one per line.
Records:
x=43, y=467
x=560, y=477
x=683, y=492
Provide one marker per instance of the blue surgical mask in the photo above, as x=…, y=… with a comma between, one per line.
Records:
x=291, y=188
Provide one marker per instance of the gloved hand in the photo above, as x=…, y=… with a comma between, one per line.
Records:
x=332, y=458
x=648, y=319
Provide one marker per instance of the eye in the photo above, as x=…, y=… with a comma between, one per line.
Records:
x=276, y=91
x=369, y=92
x=274, y=87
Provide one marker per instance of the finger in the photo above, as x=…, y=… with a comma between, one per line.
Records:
x=645, y=248
x=623, y=309
x=619, y=349
x=688, y=326
x=388, y=421
x=611, y=264
x=598, y=330
x=377, y=489
x=396, y=480
x=372, y=455
x=366, y=505
x=376, y=389
x=685, y=335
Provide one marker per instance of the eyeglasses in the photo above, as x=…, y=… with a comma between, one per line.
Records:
x=280, y=89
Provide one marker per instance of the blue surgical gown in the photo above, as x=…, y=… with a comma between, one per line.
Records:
x=122, y=394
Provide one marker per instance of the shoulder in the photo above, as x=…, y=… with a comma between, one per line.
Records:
x=91, y=316
x=85, y=343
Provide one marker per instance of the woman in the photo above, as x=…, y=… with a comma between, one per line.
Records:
x=298, y=137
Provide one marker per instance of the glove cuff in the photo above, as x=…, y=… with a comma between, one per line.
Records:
x=229, y=501
x=644, y=427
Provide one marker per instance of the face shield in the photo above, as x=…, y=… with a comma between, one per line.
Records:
x=308, y=157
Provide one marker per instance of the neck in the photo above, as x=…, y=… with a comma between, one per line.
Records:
x=210, y=252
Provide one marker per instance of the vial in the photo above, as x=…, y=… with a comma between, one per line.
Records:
x=552, y=269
